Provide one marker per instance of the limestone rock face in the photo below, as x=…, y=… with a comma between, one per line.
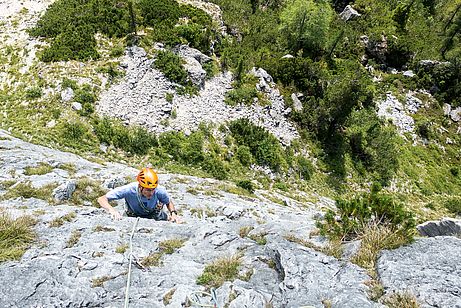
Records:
x=429, y=268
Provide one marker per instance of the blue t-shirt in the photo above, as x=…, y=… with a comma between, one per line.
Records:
x=133, y=198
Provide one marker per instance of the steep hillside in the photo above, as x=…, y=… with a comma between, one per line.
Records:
x=273, y=112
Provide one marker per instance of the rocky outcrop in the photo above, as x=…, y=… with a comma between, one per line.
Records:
x=444, y=227
x=428, y=268
x=91, y=270
x=349, y=14
x=141, y=98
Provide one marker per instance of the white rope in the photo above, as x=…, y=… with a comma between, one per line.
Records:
x=127, y=291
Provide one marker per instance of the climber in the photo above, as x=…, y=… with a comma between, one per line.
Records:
x=143, y=198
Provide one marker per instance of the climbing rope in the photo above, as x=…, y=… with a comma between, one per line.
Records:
x=127, y=291
x=194, y=298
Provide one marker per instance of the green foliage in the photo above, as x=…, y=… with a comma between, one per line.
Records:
x=443, y=80
x=453, y=204
x=135, y=140
x=304, y=168
x=72, y=44
x=351, y=216
x=215, y=166
x=171, y=66
x=305, y=24
x=247, y=185
x=244, y=156
x=264, y=147
x=34, y=92
x=73, y=132
x=87, y=98
x=224, y=269
x=154, y=12
x=16, y=235
x=241, y=95
x=373, y=146
x=72, y=25
x=42, y=168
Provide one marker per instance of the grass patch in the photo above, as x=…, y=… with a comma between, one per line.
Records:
x=453, y=205
x=26, y=190
x=99, y=281
x=69, y=167
x=121, y=248
x=170, y=246
x=59, y=221
x=153, y=259
x=401, y=300
x=74, y=238
x=16, y=235
x=42, y=168
x=333, y=248
x=259, y=238
x=100, y=228
x=87, y=191
x=203, y=212
x=224, y=269
x=7, y=183
x=168, y=296
x=374, y=238
x=243, y=232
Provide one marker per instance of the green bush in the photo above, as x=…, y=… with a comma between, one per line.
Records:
x=243, y=154
x=215, y=167
x=33, y=93
x=87, y=98
x=352, y=216
x=73, y=132
x=135, y=140
x=264, y=147
x=171, y=66
x=453, y=205
x=247, y=185
x=241, y=95
x=304, y=168
x=72, y=44
x=372, y=145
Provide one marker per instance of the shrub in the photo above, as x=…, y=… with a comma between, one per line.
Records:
x=72, y=44
x=72, y=133
x=171, y=66
x=304, y=168
x=215, y=167
x=33, y=93
x=242, y=95
x=243, y=154
x=264, y=147
x=135, y=140
x=351, y=216
x=453, y=205
x=247, y=185
x=372, y=145
x=15, y=236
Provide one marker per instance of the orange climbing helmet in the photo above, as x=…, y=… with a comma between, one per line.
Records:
x=147, y=178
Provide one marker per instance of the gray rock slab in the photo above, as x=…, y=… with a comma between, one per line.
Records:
x=429, y=268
